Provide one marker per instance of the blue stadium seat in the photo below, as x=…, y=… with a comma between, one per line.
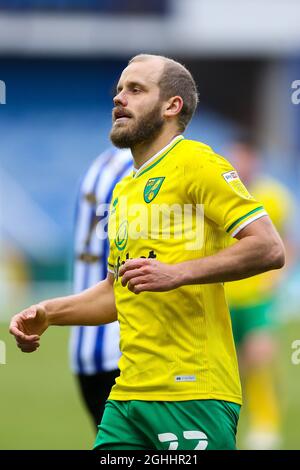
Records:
x=103, y=6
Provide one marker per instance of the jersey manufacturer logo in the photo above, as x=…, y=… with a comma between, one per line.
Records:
x=233, y=179
x=114, y=206
x=152, y=188
x=122, y=236
x=185, y=378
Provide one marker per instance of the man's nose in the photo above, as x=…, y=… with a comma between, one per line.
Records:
x=120, y=99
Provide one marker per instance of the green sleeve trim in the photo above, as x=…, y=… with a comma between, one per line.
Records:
x=243, y=218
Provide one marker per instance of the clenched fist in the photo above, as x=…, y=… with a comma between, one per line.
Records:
x=141, y=275
x=27, y=327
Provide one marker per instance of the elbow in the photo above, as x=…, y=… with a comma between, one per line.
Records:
x=276, y=255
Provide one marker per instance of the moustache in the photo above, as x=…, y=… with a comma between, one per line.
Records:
x=120, y=113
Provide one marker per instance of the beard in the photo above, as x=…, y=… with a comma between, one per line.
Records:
x=142, y=130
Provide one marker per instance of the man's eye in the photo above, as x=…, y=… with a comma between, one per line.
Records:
x=136, y=90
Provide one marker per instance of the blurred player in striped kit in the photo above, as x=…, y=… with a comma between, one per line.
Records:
x=94, y=351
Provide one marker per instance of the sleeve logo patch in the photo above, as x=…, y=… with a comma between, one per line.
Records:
x=232, y=178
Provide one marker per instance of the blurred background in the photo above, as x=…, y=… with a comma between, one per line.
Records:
x=60, y=60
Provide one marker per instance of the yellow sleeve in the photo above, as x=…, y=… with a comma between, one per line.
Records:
x=214, y=183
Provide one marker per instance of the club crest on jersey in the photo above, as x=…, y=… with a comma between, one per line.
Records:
x=152, y=188
x=233, y=179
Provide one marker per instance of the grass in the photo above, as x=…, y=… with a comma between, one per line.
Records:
x=40, y=406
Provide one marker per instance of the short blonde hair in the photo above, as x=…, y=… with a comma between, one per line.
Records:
x=176, y=80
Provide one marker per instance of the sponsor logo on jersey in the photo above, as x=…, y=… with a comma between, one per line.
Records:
x=119, y=263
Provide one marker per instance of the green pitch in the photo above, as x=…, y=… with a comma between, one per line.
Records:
x=40, y=407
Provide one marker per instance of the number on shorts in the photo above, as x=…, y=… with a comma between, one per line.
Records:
x=195, y=435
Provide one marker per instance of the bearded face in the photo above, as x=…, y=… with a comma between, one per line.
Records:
x=130, y=129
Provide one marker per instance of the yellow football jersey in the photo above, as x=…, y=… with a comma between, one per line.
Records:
x=179, y=206
x=279, y=204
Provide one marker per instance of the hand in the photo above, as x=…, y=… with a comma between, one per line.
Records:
x=27, y=327
x=142, y=275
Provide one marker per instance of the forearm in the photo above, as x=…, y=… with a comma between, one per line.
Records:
x=259, y=249
x=244, y=259
x=94, y=306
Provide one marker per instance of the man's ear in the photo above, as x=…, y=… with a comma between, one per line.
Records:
x=173, y=106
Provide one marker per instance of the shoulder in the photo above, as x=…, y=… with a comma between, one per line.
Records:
x=110, y=158
x=105, y=171
x=122, y=156
x=197, y=155
x=95, y=169
x=117, y=162
x=121, y=184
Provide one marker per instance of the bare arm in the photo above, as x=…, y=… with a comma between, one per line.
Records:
x=259, y=249
x=94, y=306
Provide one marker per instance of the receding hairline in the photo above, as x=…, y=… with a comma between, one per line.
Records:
x=165, y=61
x=174, y=80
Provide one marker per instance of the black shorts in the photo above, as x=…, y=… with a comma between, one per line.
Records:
x=95, y=390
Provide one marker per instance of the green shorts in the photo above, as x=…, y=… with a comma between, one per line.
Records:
x=247, y=319
x=184, y=425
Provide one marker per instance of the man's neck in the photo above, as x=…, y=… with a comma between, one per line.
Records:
x=143, y=152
